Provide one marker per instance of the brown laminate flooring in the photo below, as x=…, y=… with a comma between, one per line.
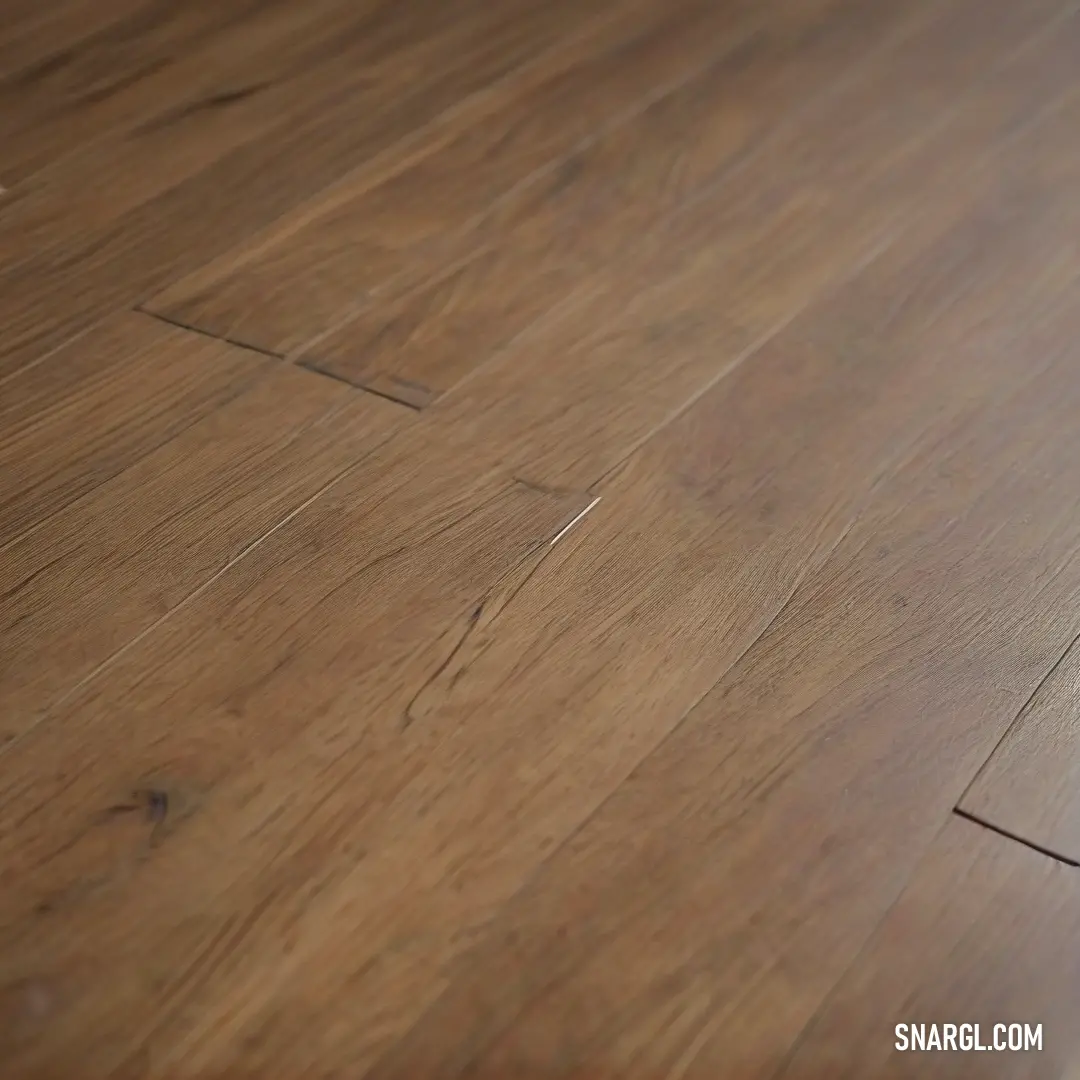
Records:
x=539, y=540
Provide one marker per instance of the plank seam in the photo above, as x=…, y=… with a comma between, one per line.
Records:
x=1064, y=860
x=362, y=387
x=170, y=321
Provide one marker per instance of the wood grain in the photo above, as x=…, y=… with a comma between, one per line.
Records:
x=553, y=235
x=37, y=35
x=46, y=299
x=583, y=215
x=124, y=52
x=109, y=565
x=1028, y=786
x=286, y=287
x=102, y=403
x=976, y=937
x=432, y=725
x=854, y=635
x=618, y=714
x=695, y=923
x=110, y=154
x=631, y=347
x=339, y=620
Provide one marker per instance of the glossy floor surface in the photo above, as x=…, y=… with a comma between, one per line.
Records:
x=538, y=539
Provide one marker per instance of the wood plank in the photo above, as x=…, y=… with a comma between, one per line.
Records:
x=630, y=347
x=111, y=564
x=736, y=524
x=555, y=236
x=121, y=263
x=406, y=698
x=1028, y=786
x=152, y=134
x=594, y=680
x=923, y=580
x=584, y=217
x=360, y=585
x=183, y=117
x=979, y=935
x=292, y=284
x=222, y=96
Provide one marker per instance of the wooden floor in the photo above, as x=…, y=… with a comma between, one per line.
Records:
x=538, y=538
